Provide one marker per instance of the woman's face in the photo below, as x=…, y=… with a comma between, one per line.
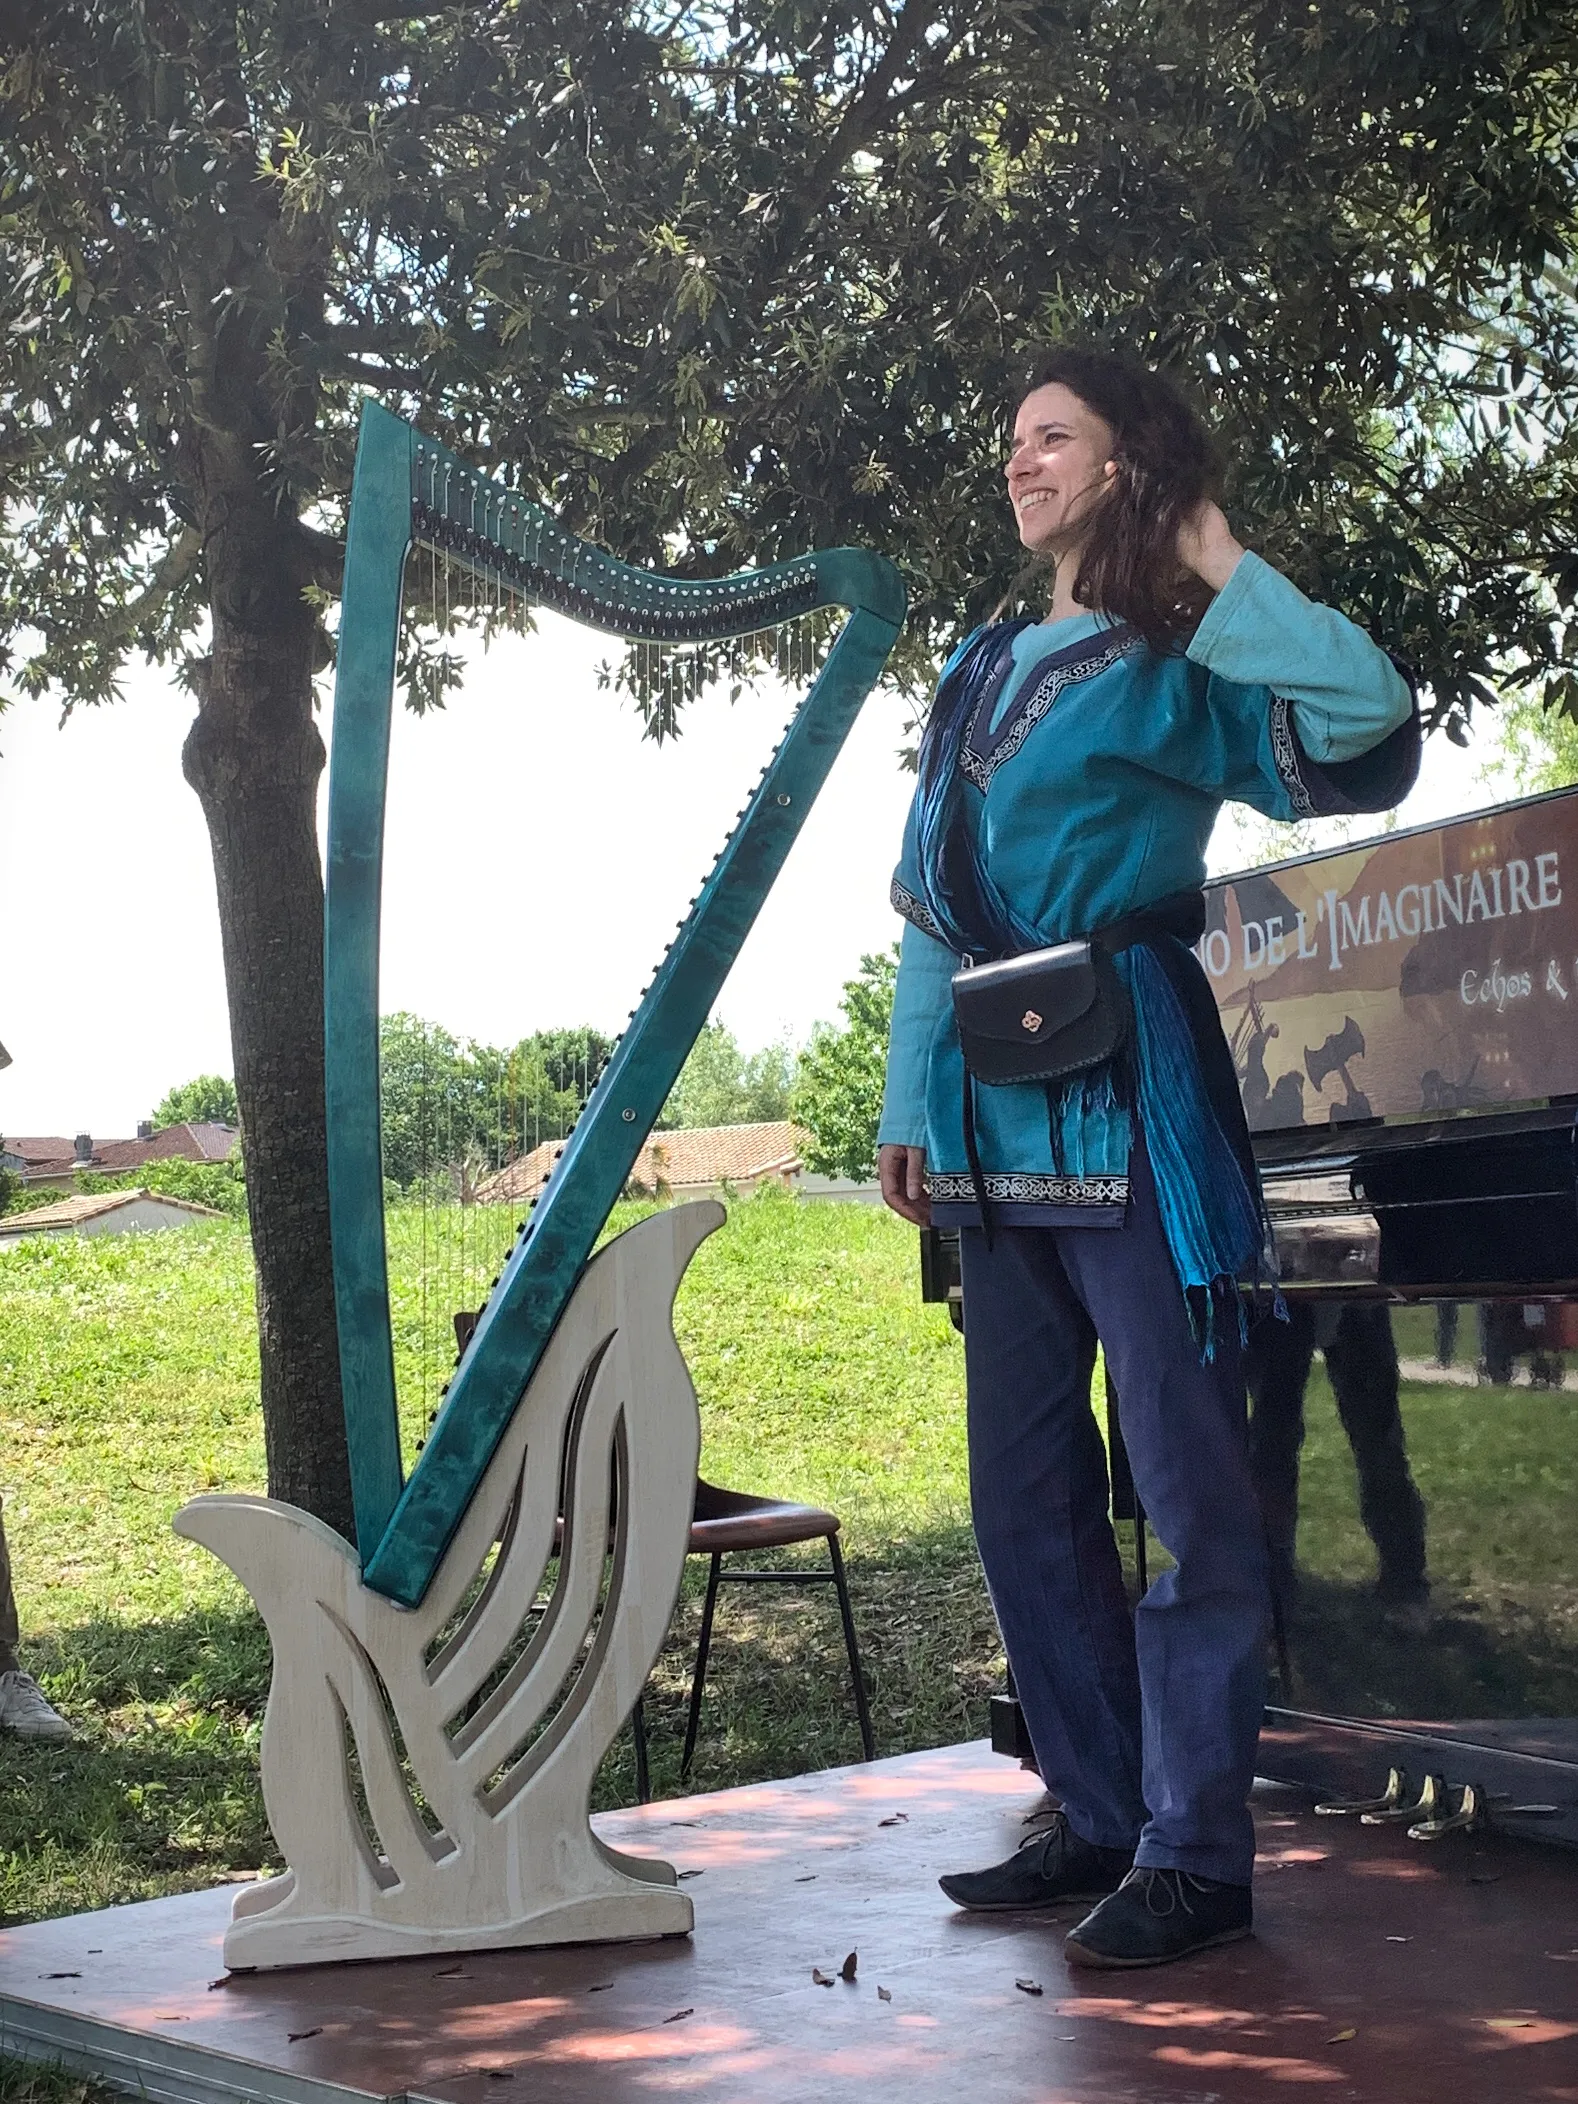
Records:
x=1058, y=465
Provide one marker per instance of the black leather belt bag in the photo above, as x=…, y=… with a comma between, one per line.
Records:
x=1041, y=1015
x=1048, y=1013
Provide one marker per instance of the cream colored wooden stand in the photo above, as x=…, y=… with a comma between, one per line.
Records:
x=498, y=1849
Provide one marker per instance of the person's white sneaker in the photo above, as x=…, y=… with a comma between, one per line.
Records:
x=24, y=1710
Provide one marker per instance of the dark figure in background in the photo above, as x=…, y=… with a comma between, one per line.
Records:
x=1361, y=1364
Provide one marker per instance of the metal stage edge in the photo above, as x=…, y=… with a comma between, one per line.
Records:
x=1350, y=1756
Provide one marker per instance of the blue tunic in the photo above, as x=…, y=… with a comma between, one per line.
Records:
x=1093, y=772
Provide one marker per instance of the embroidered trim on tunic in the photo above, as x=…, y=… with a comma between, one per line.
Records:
x=1020, y=1188
x=906, y=903
x=978, y=767
x=1285, y=756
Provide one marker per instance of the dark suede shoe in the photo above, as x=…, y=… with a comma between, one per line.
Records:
x=1048, y=1868
x=1158, y=1915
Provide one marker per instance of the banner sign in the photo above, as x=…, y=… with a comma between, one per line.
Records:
x=1430, y=972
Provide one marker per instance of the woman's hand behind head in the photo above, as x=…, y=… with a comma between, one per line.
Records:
x=1207, y=547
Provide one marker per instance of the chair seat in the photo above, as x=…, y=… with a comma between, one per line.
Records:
x=726, y=1520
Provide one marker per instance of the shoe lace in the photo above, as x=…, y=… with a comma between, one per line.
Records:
x=1049, y=1843
x=1171, y=1888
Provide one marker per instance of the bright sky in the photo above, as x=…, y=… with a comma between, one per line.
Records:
x=539, y=855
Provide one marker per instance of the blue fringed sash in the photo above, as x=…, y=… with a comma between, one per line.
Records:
x=1212, y=1212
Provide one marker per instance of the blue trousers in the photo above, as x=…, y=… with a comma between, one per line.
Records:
x=1145, y=1725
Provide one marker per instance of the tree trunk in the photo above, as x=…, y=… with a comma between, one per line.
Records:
x=254, y=757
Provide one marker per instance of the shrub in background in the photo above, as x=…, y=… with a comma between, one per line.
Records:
x=219, y=1184
x=838, y=1087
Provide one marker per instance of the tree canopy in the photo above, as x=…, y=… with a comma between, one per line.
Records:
x=1537, y=748
x=721, y=1085
x=719, y=284
x=454, y=1108
x=209, y=1099
x=838, y=1085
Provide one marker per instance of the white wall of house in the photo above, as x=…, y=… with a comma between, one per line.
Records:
x=143, y=1213
x=802, y=1183
x=809, y=1186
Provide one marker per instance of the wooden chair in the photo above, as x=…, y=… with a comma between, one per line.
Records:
x=731, y=1522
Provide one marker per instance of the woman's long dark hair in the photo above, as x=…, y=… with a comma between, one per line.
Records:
x=1128, y=566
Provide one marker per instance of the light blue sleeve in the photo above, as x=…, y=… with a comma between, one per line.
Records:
x=920, y=997
x=1346, y=695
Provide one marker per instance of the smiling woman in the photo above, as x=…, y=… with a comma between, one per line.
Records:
x=1073, y=1111
x=1117, y=520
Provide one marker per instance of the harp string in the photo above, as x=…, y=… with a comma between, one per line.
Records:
x=478, y=1178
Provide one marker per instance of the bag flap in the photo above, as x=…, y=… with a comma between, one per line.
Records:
x=1027, y=1000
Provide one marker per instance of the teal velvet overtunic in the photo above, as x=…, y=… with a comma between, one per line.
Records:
x=1092, y=772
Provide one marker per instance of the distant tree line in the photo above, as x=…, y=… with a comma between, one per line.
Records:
x=455, y=1108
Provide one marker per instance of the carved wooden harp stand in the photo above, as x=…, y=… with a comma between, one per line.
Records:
x=432, y=1734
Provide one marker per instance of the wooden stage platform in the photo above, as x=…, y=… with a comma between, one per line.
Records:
x=1383, y=1970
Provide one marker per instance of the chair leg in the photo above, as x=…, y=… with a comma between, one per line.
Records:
x=857, y=1678
x=638, y=1732
x=693, y=1721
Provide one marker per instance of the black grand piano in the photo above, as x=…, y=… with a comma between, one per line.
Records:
x=1404, y=1019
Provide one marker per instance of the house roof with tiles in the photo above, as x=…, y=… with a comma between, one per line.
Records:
x=72, y=1213
x=55, y=1155
x=689, y=1159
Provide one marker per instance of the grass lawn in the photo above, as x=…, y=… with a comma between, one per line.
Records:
x=128, y=1382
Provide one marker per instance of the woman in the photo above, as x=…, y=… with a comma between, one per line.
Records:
x=1071, y=773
